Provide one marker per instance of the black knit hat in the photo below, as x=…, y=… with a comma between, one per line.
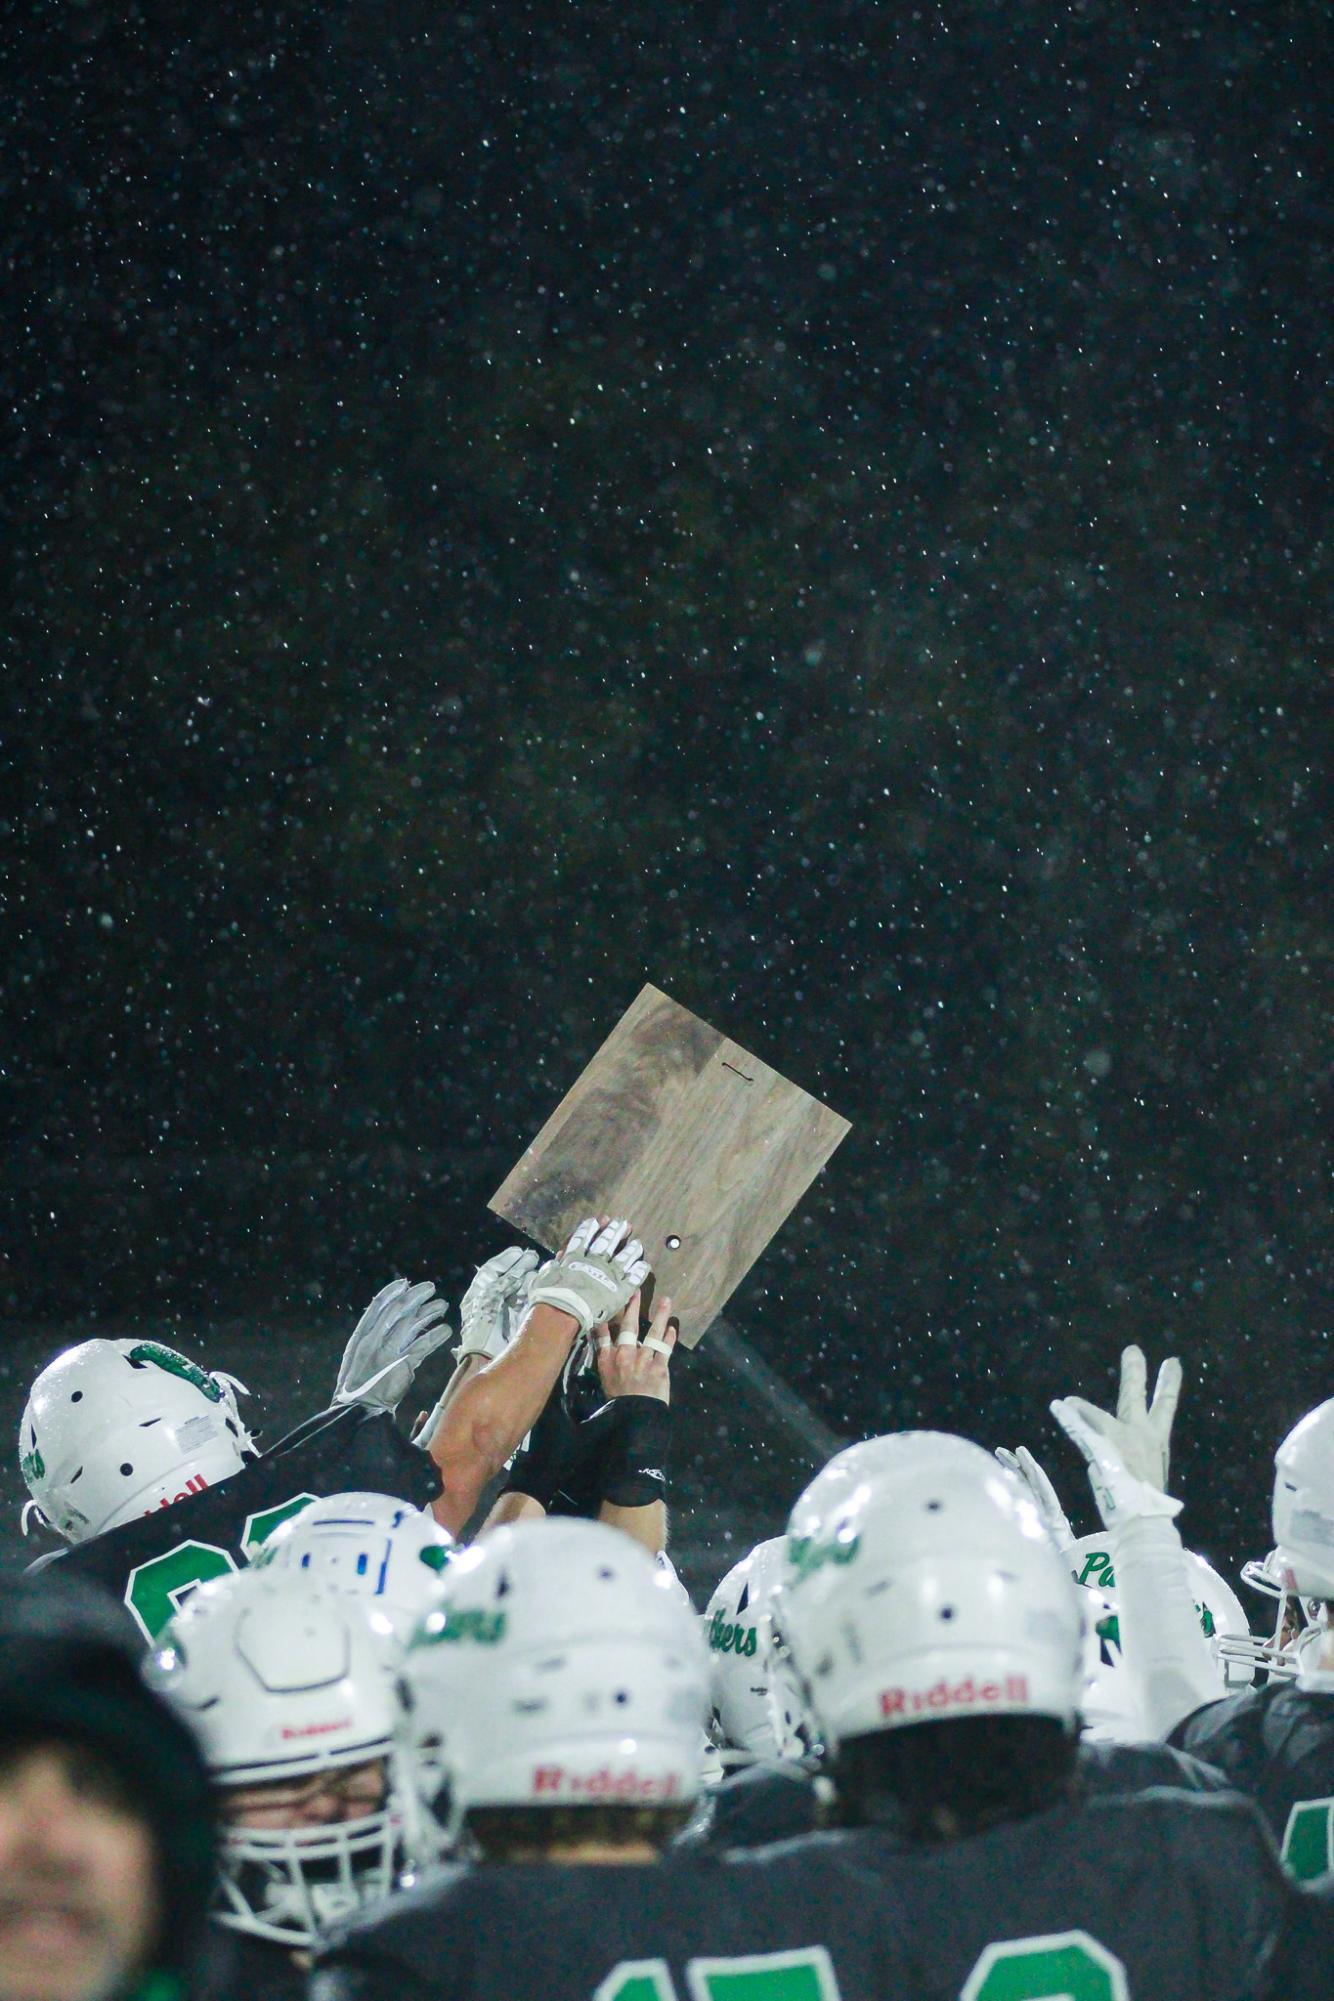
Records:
x=69, y=1671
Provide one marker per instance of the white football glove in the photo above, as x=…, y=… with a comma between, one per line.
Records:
x=1128, y=1455
x=594, y=1276
x=402, y=1325
x=495, y=1303
x=1054, y=1519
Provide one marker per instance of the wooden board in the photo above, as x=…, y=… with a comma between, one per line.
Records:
x=706, y=1149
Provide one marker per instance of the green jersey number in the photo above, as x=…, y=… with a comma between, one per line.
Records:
x=1308, y=1839
x=1061, y=1966
x=155, y=1590
x=805, y=1975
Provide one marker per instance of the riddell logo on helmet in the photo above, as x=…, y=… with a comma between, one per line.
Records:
x=194, y=1485
x=316, y=1729
x=603, y=1785
x=962, y=1695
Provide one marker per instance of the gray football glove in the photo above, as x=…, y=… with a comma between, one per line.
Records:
x=1054, y=1518
x=1127, y=1454
x=402, y=1325
x=594, y=1276
x=495, y=1303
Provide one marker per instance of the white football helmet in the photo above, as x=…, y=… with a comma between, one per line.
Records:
x=757, y=1707
x=282, y=1679
x=370, y=1546
x=117, y=1429
x=919, y=1584
x=1294, y=1619
x=673, y=1576
x=560, y=1669
x=1222, y=1618
x=1304, y=1505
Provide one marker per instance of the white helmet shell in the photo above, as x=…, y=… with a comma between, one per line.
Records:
x=115, y=1429
x=1222, y=1619
x=1304, y=1505
x=281, y=1679
x=369, y=1546
x=738, y=1656
x=561, y=1669
x=920, y=1585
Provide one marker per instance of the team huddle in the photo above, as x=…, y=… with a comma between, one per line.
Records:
x=394, y=1710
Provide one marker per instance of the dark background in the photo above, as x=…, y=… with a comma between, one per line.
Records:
x=824, y=508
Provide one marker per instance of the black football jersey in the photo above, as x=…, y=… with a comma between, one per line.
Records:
x=153, y=1564
x=757, y=1805
x=238, y=1966
x=1276, y=1743
x=779, y=1802
x=1156, y=1896
x=693, y=1927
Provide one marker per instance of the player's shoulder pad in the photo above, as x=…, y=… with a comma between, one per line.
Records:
x=756, y=1806
x=1236, y=1715
x=1134, y=1767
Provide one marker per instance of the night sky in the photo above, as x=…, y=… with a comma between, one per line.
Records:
x=825, y=508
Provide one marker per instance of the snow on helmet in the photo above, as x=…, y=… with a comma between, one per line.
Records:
x=561, y=1670
x=115, y=1429
x=281, y=1678
x=1222, y=1619
x=1304, y=1505
x=370, y=1546
x=919, y=1584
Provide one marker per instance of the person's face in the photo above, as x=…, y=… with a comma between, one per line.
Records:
x=348, y=1793
x=78, y=1891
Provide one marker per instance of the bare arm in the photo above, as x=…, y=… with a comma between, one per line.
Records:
x=630, y=1367
x=643, y=1525
x=492, y=1409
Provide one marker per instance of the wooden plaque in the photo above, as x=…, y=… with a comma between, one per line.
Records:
x=702, y=1146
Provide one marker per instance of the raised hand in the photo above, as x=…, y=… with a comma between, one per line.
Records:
x=495, y=1303
x=594, y=1276
x=1128, y=1455
x=631, y=1367
x=402, y=1325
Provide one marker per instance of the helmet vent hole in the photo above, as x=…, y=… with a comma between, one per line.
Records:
x=743, y=1600
x=606, y=1574
x=934, y=1507
x=621, y=1697
x=127, y=1469
x=503, y=1585
x=76, y=1476
x=149, y=1422
x=76, y=1396
x=947, y=1612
